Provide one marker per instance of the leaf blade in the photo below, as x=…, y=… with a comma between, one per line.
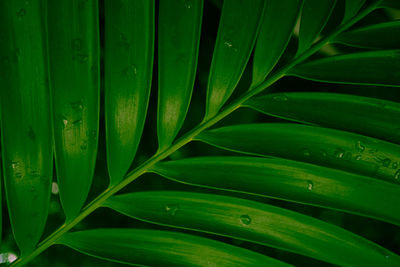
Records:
x=235, y=41
x=334, y=111
x=314, y=17
x=368, y=68
x=179, y=25
x=351, y=9
x=289, y=180
x=128, y=71
x=161, y=248
x=25, y=119
x=377, y=36
x=74, y=74
x=275, y=32
x=251, y=221
x=324, y=147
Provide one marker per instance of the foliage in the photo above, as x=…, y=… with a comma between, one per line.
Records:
x=233, y=133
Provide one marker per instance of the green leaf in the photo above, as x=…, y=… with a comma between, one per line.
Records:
x=235, y=41
x=290, y=180
x=255, y=222
x=316, y=145
x=179, y=27
x=129, y=51
x=390, y=4
x=279, y=19
x=368, y=116
x=161, y=248
x=370, y=68
x=351, y=9
x=25, y=119
x=384, y=35
x=314, y=17
x=74, y=74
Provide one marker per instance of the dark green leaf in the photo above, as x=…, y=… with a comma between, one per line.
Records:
x=129, y=47
x=368, y=116
x=162, y=248
x=390, y=4
x=384, y=35
x=255, y=222
x=372, y=68
x=74, y=74
x=25, y=119
x=279, y=19
x=290, y=180
x=320, y=146
x=232, y=50
x=314, y=16
x=179, y=27
x=351, y=9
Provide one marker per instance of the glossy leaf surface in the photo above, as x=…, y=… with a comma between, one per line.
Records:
x=370, y=68
x=179, y=25
x=255, y=222
x=316, y=145
x=25, y=119
x=129, y=47
x=314, y=16
x=73, y=29
x=368, y=116
x=235, y=41
x=384, y=35
x=279, y=19
x=290, y=180
x=161, y=248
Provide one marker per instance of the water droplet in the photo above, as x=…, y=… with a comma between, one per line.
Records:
x=280, y=97
x=339, y=153
x=77, y=44
x=387, y=257
x=358, y=157
x=310, y=185
x=84, y=145
x=54, y=188
x=77, y=106
x=323, y=154
x=386, y=162
x=130, y=71
x=188, y=4
x=395, y=165
x=359, y=146
x=306, y=153
x=83, y=58
x=65, y=122
x=228, y=44
x=245, y=219
x=14, y=164
x=21, y=12
x=397, y=175
x=171, y=209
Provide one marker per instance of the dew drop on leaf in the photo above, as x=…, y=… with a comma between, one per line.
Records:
x=360, y=147
x=310, y=185
x=358, y=157
x=339, y=153
x=386, y=162
x=188, y=4
x=245, y=219
x=171, y=209
x=397, y=175
x=306, y=153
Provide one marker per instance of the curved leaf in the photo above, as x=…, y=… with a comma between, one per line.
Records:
x=290, y=180
x=351, y=9
x=179, y=27
x=161, y=248
x=320, y=146
x=232, y=50
x=314, y=17
x=384, y=35
x=25, y=119
x=129, y=47
x=254, y=222
x=368, y=116
x=279, y=19
x=390, y=4
x=74, y=74
x=371, y=68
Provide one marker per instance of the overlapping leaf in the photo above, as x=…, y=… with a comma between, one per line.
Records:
x=256, y=222
x=161, y=248
x=25, y=119
x=129, y=45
